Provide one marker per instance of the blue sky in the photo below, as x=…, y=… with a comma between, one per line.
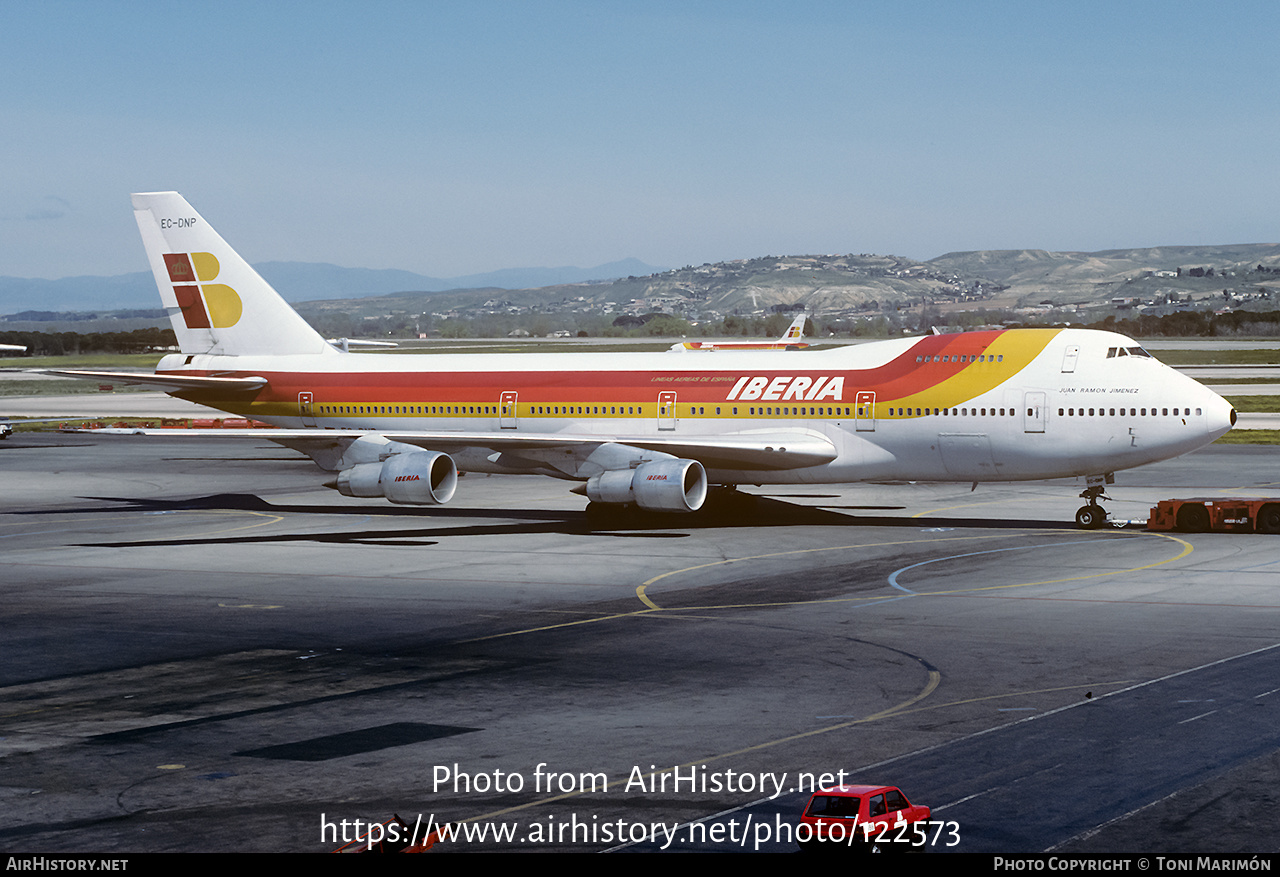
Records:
x=455, y=138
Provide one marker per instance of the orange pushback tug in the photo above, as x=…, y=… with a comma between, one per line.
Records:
x=1201, y=514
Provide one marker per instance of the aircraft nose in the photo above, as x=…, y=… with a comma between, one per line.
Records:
x=1220, y=417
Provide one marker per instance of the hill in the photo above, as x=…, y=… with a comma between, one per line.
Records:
x=296, y=281
x=1035, y=275
x=845, y=284
x=833, y=284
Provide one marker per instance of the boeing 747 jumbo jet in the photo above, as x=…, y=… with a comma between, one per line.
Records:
x=654, y=430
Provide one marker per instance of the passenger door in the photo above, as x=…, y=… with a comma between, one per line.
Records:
x=305, y=409
x=1033, y=412
x=864, y=414
x=507, y=410
x=667, y=410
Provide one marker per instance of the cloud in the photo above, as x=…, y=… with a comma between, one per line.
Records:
x=52, y=207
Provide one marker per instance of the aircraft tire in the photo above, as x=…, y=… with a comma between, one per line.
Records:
x=1269, y=519
x=1193, y=518
x=1090, y=517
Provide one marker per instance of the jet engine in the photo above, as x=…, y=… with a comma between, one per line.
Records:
x=658, y=486
x=413, y=478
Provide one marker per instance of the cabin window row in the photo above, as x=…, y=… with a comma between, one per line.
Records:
x=408, y=409
x=586, y=409
x=951, y=412
x=480, y=409
x=1133, y=412
x=787, y=411
x=690, y=411
x=963, y=357
x=633, y=410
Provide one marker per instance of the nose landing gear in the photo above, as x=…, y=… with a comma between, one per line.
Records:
x=1092, y=516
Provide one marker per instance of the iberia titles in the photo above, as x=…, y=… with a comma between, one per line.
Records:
x=784, y=387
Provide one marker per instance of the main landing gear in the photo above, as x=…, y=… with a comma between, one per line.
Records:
x=1092, y=516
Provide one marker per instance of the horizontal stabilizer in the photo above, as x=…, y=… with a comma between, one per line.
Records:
x=171, y=383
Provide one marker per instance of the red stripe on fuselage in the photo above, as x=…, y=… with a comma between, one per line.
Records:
x=898, y=378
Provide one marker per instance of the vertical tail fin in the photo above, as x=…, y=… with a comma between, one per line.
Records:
x=217, y=303
x=796, y=330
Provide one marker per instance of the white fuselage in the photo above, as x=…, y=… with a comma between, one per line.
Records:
x=983, y=406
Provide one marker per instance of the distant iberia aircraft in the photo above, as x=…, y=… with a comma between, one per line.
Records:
x=790, y=340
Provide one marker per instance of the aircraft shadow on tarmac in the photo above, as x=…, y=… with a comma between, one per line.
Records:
x=734, y=510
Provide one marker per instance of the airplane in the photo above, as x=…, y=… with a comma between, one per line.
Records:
x=651, y=430
x=790, y=340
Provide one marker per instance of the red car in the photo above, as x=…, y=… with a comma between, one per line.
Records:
x=863, y=817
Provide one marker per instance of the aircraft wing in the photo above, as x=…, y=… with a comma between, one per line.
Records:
x=774, y=450
x=173, y=383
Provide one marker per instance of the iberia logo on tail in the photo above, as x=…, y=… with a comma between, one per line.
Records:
x=207, y=305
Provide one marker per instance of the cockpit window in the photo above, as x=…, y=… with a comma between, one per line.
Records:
x=1113, y=352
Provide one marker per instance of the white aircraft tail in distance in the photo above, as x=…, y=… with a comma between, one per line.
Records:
x=656, y=430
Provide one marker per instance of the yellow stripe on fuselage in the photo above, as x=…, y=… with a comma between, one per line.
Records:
x=1014, y=350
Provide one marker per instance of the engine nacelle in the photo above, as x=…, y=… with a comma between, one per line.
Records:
x=413, y=478
x=658, y=486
